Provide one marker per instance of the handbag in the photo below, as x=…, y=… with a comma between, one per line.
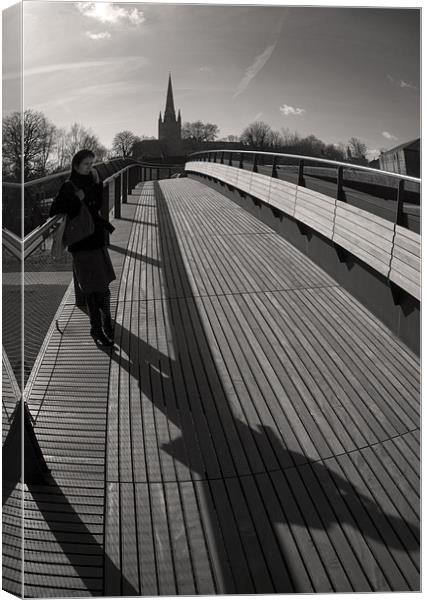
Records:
x=58, y=247
x=79, y=227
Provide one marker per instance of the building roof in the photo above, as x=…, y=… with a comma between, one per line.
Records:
x=412, y=145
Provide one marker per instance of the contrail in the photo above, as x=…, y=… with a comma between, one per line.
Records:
x=259, y=61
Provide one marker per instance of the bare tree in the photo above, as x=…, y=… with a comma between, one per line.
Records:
x=123, y=143
x=11, y=146
x=275, y=140
x=232, y=138
x=37, y=145
x=256, y=135
x=357, y=151
x=80, y=137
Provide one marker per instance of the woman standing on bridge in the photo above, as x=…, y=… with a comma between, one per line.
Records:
x=92, y=265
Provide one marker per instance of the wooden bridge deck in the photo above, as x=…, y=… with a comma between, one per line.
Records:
x=255, y=430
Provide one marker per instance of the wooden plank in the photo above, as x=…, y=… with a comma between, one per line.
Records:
x=285, y=330
x=407, y=257
x=408, y=235
x=410, y=286
x=349, y=209
x=163, y=550
x=236, y=550
x=179, y=540
x=397, y=567
x=391, y=382
x=405, y=270
x=373, y=237
x=363, y=245
x=369, y=331
x=301, y=534
x=149, y=584
x=386, y=402
x=354, y=247
x=275, y=560
x=198, y=549
x=384, y=230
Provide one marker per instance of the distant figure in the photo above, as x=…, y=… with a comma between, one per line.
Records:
x=91, y=262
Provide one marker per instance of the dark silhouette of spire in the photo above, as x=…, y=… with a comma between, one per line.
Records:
x=170, y=108
x=170, y=125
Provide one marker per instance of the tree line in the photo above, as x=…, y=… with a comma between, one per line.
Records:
x=49, y=149
x=260, y=136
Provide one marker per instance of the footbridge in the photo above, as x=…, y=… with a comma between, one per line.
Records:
x=256, y=427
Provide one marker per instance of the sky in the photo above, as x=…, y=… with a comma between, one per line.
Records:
x=333, y=72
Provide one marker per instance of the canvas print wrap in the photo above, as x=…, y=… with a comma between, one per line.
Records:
x=211, y=299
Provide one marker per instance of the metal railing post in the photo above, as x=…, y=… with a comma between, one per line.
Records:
x=222, y=158
x=169, y=173
x=117, y=203
x=240, y=160
x=151, y=174
x=255, y=164
x=274, y=173
x=124, y=187
x=230, y=159
x=340, y=188
x=301, y=180
x=129, y=180
x=400, y=199
x=105, y=208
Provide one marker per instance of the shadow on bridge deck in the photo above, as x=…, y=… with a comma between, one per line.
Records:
x=254, y=431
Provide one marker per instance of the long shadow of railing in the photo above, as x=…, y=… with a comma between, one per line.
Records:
x=237, y=449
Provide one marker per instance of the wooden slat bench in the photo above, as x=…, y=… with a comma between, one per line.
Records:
x=405, y=269
x=365, y=235
x=391, y=250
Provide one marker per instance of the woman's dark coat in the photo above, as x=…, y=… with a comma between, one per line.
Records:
x=67, y=202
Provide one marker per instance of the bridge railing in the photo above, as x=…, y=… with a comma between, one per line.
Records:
x=397, y=196
x=39, y=193
x=362, y=212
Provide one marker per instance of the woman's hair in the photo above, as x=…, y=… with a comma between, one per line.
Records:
x=79, y=156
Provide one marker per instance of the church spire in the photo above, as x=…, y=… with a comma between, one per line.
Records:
x=170, y=108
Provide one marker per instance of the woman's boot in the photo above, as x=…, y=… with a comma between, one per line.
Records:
x=104, y=304
x=95, y=320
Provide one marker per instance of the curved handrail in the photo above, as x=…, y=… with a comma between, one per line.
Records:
x=46, y=178
x=315, y=159
x=38, y=235
x=33, y=239
x=12, y=243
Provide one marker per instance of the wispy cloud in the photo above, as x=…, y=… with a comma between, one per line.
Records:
x=259, y=62
x=107, y=12
x=88, y=93
x=401, y=83
x=389, y=136
x=98, y=36
x=205, y=69
x=124, y=62
x=291, y=110
x=258, y=116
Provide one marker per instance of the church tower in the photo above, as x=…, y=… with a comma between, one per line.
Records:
x=170, y=125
